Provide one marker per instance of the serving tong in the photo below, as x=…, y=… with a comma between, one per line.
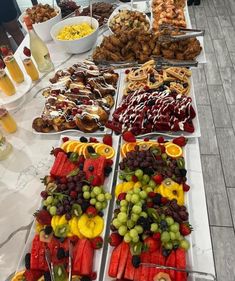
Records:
x=188, y=33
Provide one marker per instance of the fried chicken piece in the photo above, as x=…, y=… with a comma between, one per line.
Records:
x=168, y=54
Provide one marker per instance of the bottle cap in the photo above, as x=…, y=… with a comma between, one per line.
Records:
x=28, y=22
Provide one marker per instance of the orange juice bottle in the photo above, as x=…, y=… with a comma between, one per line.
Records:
x=31, y=69
x=13, y=68
x=7, y=121
x=6, y=84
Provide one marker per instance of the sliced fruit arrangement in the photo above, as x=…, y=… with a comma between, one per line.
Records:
x=150, y=221
x=72, y=211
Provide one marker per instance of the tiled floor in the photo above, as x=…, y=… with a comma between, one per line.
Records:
x=215, y=93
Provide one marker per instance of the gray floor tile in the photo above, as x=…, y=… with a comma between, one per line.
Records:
x=232, y=114
x=222, y=11
x=228, y=80
x=230, y=38
x=208, y=142
x=232, y=17
x=231, y=196
x=215, y=28
x=223, y=240
x=200, y=16
x=226, y=142
x=219, y=107
x=218, y=3
x=208, y=45
x=232, y=56
x=200, y=86
x=231, y=6
x=225, y=21
x=210, y=9
x=217, y=201
x=212, y=71
x=222, y=54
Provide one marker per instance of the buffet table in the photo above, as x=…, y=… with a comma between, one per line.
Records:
x=20, y=179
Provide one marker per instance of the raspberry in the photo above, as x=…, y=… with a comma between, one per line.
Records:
x=64, y=139
x=163, y=149
x=93, y=140
x=107, y=139
x=27, y=52
x=134, y=178
x=150, y=204
x=160, y=140
x=146, y=139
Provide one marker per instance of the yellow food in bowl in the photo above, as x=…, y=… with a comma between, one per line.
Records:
x=76, y=31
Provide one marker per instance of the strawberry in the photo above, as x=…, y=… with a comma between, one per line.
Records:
x=185, y=229
x=64, y=139
x=109, y=162
x=128, y=137
x=163, y=149
x=2, y=65
x=151, y=244
x=56, y=150
x=160, y=140
x=157, y=236
x=43, y=217
x=107, y=139
x=96, y=180
x=134, y=178
x=180, y=141
x=27, y=52
x=4, y=51
x=114, y=239
x=164, y=200
x=93, y=275
x=91, y=211
x=91, y=139
x=73, y=194
x=97, y=242
x=186, y=187
x=32, y=275
x=121, y=196
x=158, y=178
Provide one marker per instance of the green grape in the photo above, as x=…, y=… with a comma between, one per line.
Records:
x=55, y=201
x=85, y=188
x=123, y=209
x=127, y=237
x=133, y=233
x=45, y=203
x=184, y=244
x=93, y=195
x=131, y=192
x=135, y=198
x=121, y=177
x=149, y=189
x=96, y=190
x=136, y=190
x=165, y=237
x=108, y=196
x=139, y=173
x=135, y=239
x=104, y=204
x=177, y=235
x=139, y=229
x=164, y=156
x=146, y=178
x=48, y=207
x=181, y=238
x=93, y=201
x=53, y=210
x=143, y=214
x=136, y=209
x=143, y=194
x=152, y=184
x=122, y=217
x=123, y=203
x=172, y=235
x=130, y=224
x=116, y=223
x=49, y=199
x=100, y=197
x=122, y=230
x=138, y=204
x=98, y=206
x=154, y=227
x=169, y=220
x=175, y=227
x=128, y=197
x=168, y=246
x=86, y=195
x=163, y=216
x=129, y=177
x=134, y=217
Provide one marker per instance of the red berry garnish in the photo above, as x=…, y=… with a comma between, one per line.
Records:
x=107, y=139
x=186, y=187
x=160, y=140
x=64, y=139
x=163, y=149
x=121, y=196
x=164, y=200
x=180, y=141
x=127, y=71
x=158, y=178
x=93, y=275
x=91, y=139
x=109, y=162
x=4, y=51
x=134, y=178
x=150, y=204
x=27, y=52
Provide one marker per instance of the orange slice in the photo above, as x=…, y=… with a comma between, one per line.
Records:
x=72, y=145
x=130, y=146
x=81, y=148
x=85, y=152
x=173, y=150
x=105, y=150
x=19, y=276
x=123, y=150
x=77, y=147
x=65, y=144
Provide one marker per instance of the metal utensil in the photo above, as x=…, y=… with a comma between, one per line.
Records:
x=90, y=5
x=162, y=62
x=70, y=260
x=49, y=263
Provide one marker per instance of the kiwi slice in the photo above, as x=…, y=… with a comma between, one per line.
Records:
x=136, y=248
x=167, y=182
x=62, y=230
x=77, y=210
x=60, y=273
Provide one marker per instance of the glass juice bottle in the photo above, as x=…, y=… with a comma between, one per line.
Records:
x=13, y=68
x=31, y=68
x=6, y=84
x=7, y=121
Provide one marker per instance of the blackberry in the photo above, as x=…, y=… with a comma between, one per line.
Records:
x=44, y=207
x=85, y=278
x=100, y=213
x=166, y=252
x=90, y=149
x=183, y=172
x=81, y=166
x=47, y=276
x=157, y=199
x=108, y=170
x=148, y=171
x=101, y=128
x=48, y=230
x=136, y=261
x=144, y=223
x=91, y=168
x=85, y=205
x=27, y=261
x=185, y=85
x=163, y=225
x=83, y=139
x=60, y=254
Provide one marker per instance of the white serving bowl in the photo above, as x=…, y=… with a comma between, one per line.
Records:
x=76, y=46
x=43, y=28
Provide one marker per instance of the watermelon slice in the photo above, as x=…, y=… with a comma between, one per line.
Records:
x=77, y=257
x=61, y=157
x=98, y=164
x=123, y=260
x=156, y=258
x=137, y=274
x=130, y=270
x=34, y=262
x=144, y=275
x=170, y=261
x=87, y=259
x=180, y=256
x=114, y=261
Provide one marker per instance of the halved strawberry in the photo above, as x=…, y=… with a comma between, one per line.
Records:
x=97, y=242
x=128, y=136
x=107, y=139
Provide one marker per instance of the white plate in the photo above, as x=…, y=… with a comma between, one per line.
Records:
x=197, y=130
x=108, y=187
x=200, y=255
x=21, y=90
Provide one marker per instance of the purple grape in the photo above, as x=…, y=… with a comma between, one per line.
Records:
x=68, y=216
x=44, y=194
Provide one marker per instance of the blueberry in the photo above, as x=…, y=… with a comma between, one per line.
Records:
x=165, y=252
x=90, y=149
x=83, y=139
x=157, y=199
x=47, y=276
x=151, y=102
x=48, y=230
x=163, y=225
x=60, y=254
x=91, y=168
x=108, y=170
x=27, y=260
x=81, y=166
x=185, y=85
x=183, y=172
x=136, y=261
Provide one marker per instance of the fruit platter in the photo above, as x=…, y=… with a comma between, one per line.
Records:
x=154, y=101
x=79, y=98
x=70, y=224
